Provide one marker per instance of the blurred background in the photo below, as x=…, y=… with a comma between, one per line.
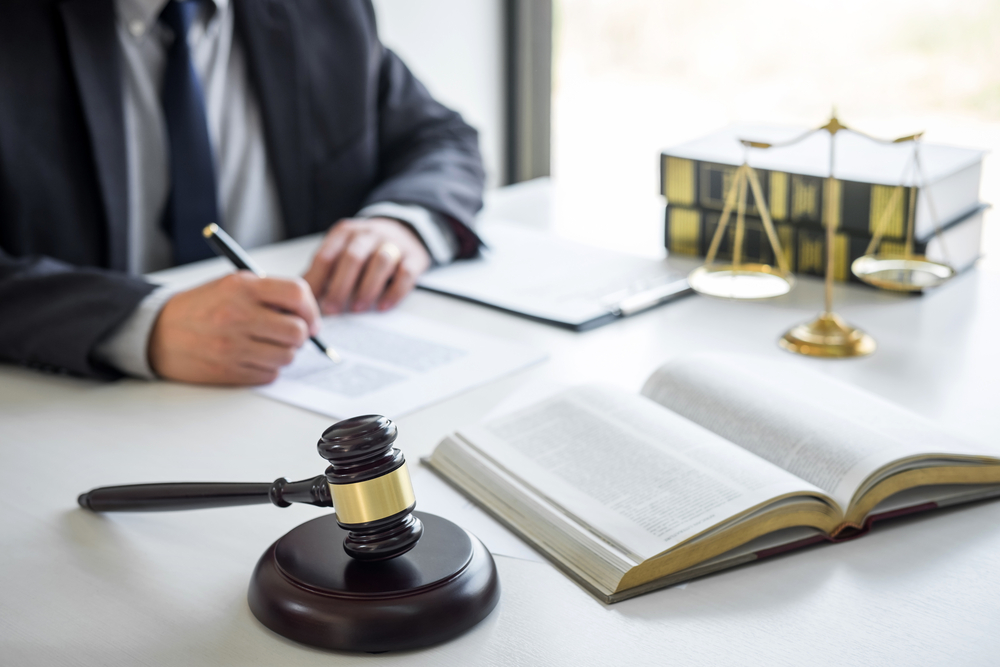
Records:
x=630, y=77
x=633, y=76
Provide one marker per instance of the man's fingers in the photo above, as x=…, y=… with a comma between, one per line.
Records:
x=266, y=355
x=403, y=280
x=239, y=329
x=346, y=271
x=248, y=374
x=291, y=295
x=279, y=328
x=377, y=273
x=348, y=265
x=318, y=274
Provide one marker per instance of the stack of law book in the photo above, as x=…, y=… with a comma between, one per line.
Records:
x=720, y=461
x=696, y=176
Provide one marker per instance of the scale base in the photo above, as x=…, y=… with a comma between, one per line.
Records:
x=306, y=588
x=827, y=336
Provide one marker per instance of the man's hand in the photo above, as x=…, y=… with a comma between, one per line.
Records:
x=240, y=330
x=366, y=263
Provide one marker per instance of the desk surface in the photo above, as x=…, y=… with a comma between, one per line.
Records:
x=169, y=589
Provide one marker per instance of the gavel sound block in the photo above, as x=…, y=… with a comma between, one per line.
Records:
x=376, y=576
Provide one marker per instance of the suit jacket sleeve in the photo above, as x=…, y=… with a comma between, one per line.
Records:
x=53, y=315
x=428, y=155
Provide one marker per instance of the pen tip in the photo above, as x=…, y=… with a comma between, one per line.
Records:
x=334, y=357
x=209, y=230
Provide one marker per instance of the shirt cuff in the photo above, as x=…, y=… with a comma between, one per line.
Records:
x=126, y=348
x=435, y=232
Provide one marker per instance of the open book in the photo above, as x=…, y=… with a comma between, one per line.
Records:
x=715, y=464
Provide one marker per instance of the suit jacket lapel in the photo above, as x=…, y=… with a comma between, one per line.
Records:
x=93, y=46
x=266, y=28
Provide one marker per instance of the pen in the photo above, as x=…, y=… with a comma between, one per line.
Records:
x=644, y=300
x=223, y=244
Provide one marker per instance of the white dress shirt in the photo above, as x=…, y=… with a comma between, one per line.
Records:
x=247, y=190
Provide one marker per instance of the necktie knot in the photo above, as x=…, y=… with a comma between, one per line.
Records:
x=178, y=15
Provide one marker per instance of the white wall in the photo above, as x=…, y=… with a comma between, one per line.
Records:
x=455, y=47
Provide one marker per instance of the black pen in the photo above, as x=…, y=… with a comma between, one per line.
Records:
x=223, y=244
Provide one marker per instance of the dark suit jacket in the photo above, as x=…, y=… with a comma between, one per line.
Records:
x=346, y=124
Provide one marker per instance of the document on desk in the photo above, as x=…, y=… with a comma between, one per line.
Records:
x=393, y=363
x=561, y=282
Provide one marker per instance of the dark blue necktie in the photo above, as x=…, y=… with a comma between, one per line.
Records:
x=192, y=203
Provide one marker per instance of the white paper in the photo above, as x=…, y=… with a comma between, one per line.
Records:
x=393, y=363
x=543, y=276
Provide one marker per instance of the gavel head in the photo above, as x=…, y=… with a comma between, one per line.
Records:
x=371, y=488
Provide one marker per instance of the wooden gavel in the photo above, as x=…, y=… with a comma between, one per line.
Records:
x=367, y=482
x=387, y=589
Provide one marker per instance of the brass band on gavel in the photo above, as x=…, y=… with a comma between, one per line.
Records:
x=373, y=499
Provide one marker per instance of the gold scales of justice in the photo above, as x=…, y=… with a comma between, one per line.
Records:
x=828, y=335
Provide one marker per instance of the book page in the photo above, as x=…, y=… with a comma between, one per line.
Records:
x=435, y=496
x=822, y=430
x=638, y=475
x=393, y=363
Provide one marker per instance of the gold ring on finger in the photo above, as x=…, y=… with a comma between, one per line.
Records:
x=391, y=250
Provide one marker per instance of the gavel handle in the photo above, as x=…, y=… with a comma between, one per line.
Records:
x=205, y=495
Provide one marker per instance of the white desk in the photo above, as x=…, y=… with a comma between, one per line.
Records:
x=169, y=589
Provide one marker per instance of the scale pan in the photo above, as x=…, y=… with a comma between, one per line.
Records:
x=902, y=274
x=748, y=281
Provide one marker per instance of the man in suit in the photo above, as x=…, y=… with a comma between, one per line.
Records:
x=128, y=125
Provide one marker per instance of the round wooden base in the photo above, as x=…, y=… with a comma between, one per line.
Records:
x=306, y=588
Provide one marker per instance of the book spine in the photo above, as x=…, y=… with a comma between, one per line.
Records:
x=794, y=198
x=684, y=232
x=811, y=252
x=678, y=180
